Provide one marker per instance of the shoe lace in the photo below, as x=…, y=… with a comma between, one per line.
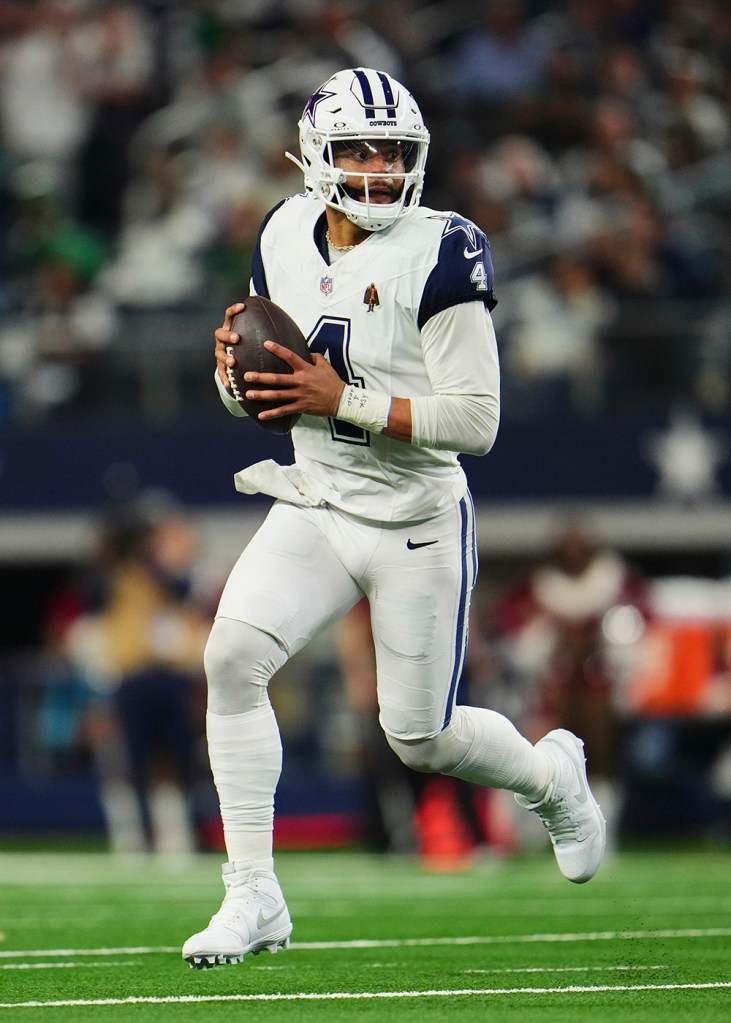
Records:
x=558, y=819
x=232, y=904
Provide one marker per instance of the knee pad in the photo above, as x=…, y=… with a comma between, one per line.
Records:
x=239, y=661
x=439, y=754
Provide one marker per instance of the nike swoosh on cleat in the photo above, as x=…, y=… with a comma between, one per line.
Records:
x=582, y=795
x=262, y=921
x=414, y=546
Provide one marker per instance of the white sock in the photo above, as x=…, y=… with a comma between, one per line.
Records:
x=245, y=751
x=498, y=755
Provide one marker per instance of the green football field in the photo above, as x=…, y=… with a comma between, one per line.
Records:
x=88, y=937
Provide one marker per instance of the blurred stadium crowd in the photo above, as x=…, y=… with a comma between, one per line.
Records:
x=141, y=141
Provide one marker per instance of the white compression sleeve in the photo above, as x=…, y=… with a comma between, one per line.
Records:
x=454, y=422
x=246, y=759
x=460, y=352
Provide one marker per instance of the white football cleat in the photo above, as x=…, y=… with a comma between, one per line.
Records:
x=569, y=811
x=252, y=918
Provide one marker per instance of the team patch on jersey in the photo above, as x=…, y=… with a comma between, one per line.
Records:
x=371, y=298
x=326, y=285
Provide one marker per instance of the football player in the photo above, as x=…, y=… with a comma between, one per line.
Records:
x=394, y=300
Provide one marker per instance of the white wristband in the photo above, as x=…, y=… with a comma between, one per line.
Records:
x=368, y=409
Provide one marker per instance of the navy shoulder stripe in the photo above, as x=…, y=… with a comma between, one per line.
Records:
x=463, y=272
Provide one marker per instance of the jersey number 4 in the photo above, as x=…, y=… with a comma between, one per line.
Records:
x=479, y=276
x=331, y=339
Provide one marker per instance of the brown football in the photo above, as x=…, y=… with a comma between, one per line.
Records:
x=262, y=320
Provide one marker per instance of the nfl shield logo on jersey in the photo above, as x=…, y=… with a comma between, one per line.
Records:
x=326, y=285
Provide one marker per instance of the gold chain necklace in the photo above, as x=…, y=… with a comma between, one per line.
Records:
x=338, y=248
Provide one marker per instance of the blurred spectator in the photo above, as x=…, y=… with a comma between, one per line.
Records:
x=409, y=30
x=206, y=94
x=114, y=76
x=43, y=115
x=518, y=173
x=223, y=173
x=192, y=172
x=565, y=102
x=677, y=709
x=553, y=345
x=65, y=696
x=192, y=212
x=655, y=360
x=553, y=623
x=691, y=98
x=339, y=27
x=141, y=654
x=158, y=259
x=502, y=57
x=227, y=263
x=49, y=350
x=617, y=136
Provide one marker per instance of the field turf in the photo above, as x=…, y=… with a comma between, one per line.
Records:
x=86, y=937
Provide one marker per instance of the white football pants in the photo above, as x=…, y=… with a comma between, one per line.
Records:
x=303, y=570
x=306, y=567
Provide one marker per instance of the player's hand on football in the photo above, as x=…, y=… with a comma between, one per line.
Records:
x=224, y=338
x=311, y=388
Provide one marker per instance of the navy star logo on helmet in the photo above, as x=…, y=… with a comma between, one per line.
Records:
x=312, y=102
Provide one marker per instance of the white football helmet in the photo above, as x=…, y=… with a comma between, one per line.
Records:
x=352, y=109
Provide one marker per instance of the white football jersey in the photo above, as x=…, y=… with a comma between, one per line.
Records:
x=365, y=313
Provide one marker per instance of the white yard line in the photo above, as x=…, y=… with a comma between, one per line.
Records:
x=483, y=939
x=509, y=939
x=309, y=996
x=64, y=966
x=40, y=952
x=570, y=969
